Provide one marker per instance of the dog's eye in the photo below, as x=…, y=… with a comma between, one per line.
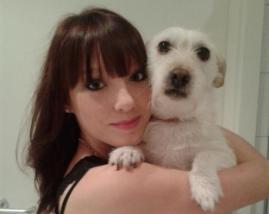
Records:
x=203, y=53
x=164, y=47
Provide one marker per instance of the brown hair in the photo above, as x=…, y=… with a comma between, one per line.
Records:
x=54, y=133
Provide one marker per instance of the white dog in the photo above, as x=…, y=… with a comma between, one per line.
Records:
x=184, y=68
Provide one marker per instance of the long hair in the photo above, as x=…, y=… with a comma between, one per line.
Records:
x=53, y=133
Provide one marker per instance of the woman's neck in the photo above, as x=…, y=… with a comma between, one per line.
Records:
x=82, y=151
x=97, y=148
x=85, y=149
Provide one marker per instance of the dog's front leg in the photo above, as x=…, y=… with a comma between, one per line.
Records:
x=126, y=157
x=204, y=181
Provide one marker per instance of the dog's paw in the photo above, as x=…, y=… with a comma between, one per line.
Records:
x=206, y=190
x=126, y=157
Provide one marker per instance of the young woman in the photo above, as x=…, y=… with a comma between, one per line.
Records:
x=93, y=96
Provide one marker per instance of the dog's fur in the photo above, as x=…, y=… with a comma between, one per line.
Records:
x=184, y=67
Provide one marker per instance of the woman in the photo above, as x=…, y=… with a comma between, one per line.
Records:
x=93, y=96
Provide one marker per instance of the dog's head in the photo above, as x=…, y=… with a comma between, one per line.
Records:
x=183, y=67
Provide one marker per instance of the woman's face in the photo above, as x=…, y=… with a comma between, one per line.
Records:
x=112, y=110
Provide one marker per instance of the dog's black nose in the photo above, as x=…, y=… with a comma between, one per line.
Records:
x=179, y=80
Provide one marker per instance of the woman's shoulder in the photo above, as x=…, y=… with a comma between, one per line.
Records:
x=145, y=189
x=107, y=176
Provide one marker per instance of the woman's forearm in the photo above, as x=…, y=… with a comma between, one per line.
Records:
x=243, y=150
x=246, y=183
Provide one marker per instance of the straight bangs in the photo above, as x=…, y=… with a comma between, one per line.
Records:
x=109, y=42
x=120, y=48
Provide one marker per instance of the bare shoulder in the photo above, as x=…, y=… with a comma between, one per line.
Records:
x=146, y=189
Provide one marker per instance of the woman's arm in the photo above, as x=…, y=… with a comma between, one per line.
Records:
x=148, y=189
x=248, y=182
x=152, y=189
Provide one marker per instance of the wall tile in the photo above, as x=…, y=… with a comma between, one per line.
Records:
x=263, y=106
x=259, y=207
x=262, y=146
x=265, y=48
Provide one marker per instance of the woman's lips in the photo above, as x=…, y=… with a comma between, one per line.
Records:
x=127, y=124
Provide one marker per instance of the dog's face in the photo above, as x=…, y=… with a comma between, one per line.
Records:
x=183, y=67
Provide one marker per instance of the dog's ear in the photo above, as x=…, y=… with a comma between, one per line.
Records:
x=219, y=79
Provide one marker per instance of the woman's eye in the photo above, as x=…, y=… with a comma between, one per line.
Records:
x=95, y=84
x=139, y=76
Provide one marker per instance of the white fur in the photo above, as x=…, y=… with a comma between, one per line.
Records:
x=126, y=156
x=192, y=142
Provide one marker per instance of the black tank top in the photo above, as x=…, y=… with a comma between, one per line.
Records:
x=74, y=176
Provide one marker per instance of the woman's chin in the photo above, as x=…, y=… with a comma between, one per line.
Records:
x=128, y=142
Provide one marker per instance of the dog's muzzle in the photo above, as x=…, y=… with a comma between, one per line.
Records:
x=178, y=83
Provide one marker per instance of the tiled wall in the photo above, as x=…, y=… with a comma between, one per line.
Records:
x=263, y=113
x=262, y=136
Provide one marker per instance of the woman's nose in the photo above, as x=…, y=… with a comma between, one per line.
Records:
x=124, y=101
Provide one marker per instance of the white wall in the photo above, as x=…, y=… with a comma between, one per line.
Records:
x=244, y=58
x=244, y=65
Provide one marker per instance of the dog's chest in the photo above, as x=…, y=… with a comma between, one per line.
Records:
x=173, y=145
